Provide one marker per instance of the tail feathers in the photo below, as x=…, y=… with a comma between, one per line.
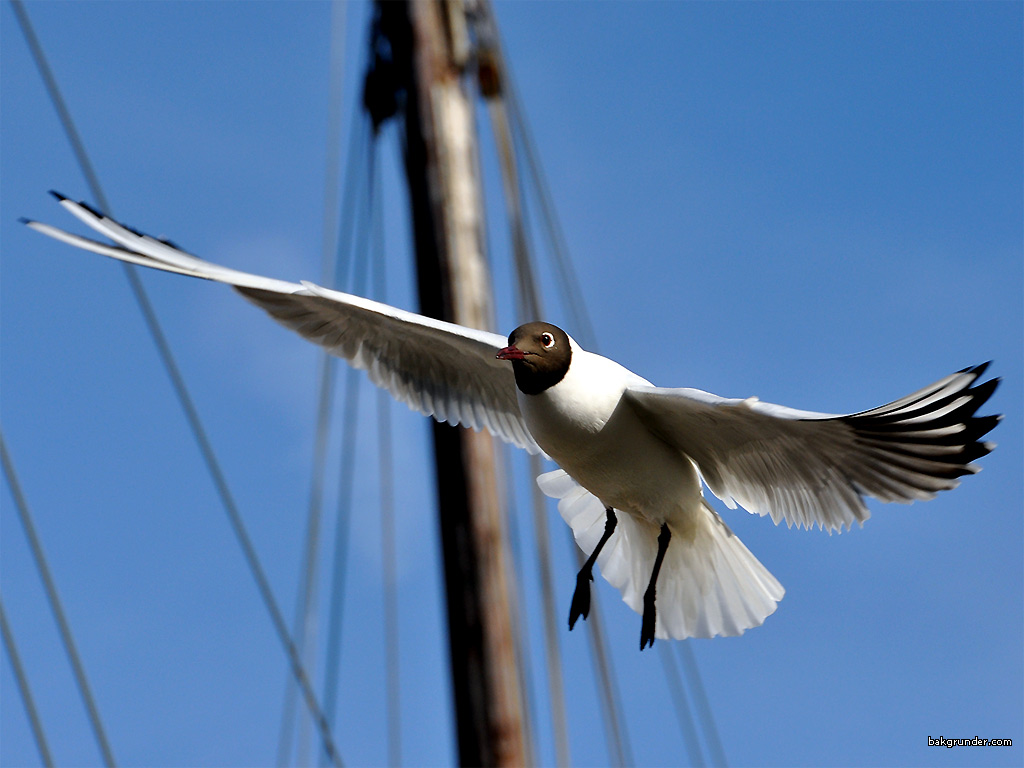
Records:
x=709, y=585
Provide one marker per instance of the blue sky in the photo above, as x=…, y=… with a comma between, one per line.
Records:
x=816, y=203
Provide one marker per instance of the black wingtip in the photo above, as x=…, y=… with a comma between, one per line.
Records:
x=984, y=391
x=64, y=198
x=23, y=220
x=977, y=370
x=94, y=211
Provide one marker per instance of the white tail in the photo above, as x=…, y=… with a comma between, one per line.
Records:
x=709, y=585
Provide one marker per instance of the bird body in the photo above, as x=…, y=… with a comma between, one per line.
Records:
x=584, y=424
x=711, y=584
x=632, y=455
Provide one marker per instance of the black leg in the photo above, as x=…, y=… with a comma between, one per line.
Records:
x=581, y=597
x=647, y=629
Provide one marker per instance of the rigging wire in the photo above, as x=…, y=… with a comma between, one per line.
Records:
x=528, y=308
x=24, y=690
x=553, y=655
x=389, y=576
x=350, y=422
x=611, y=702
x=305, y=616
x=519, y=619
x=618, y=738
x=527, y=301
x=686, y=722
x=305, y=605
x=332, y=171
x=52, y=89
x=570, y=287
x=564, y=270
x=711, y=738
x=25, y=515
x=389, y=558
x=568, y=277
x=334, y=276
x=343, y=516
x=178, y=382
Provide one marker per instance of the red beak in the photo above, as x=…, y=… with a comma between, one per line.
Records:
x=510, y=353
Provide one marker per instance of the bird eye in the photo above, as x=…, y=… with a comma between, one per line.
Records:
x=547, y=340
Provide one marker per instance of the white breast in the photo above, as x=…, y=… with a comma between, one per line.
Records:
x=584, y=424
x=580, y=404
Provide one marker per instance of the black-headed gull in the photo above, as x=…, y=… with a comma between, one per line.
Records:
x=632, y=455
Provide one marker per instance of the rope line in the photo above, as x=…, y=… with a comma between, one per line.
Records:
x=528, y=302
x=510, y=122
x=350, y=425
x=304, y=627
x=564, y=270
x=24, y=690
x=570, y=288
x=178, y=382
x=305, y=620
x=712, y=740
x=686, y=722
x=542, y=535
x=389, y=556
x=50, y=586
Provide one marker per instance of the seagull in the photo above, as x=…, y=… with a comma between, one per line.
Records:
x=633, y=457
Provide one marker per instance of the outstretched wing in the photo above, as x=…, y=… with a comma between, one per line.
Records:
x=814, y=468
x=439, y=369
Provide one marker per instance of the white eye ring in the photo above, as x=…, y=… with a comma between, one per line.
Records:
x=547, y=340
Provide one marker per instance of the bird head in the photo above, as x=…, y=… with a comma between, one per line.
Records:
x=540, y=354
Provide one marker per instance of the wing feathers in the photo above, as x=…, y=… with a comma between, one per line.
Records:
x=437, y=368
x=814, y=469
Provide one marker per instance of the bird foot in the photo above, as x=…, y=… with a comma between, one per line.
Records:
x=580, y=597
x=647, y=627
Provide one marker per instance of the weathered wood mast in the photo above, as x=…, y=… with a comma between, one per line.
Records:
x=428, y=49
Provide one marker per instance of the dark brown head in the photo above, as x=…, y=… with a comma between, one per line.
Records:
x=540, y=355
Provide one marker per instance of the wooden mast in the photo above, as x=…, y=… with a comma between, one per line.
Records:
x=429, y=49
